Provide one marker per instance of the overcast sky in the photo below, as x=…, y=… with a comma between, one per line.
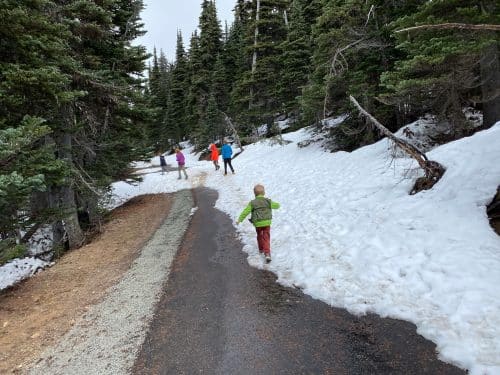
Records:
x=162, y=19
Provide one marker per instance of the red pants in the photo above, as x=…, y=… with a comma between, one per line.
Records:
x=264, y=239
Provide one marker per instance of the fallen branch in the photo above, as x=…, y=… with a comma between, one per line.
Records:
x=233, y=129
x=432, y=169
x=462, y=26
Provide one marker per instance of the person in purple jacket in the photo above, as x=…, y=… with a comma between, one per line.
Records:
x=181, y=161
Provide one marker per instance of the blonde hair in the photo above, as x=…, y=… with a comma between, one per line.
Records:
x=259, y=190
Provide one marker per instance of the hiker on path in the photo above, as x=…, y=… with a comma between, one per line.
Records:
x=227, y=152
x=181, y=161
x=163, y=164
x=261, y=210
x=214, y=156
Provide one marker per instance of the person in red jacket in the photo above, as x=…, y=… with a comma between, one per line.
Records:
x=214, y=155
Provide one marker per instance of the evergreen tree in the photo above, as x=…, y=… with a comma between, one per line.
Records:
x=353, y=47
x=209, y=45
x=296, y=52
x=221, y=85
x=212, y=123
x=195, y=86
x=27, y=167
x=154, y=78
x=35, y=78
x=177, y=123
x=235, y=57
x=109, y=122
x=441, y=71
x=256, y=92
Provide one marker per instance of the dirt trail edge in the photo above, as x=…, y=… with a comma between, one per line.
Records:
x=218, y=315
x=107, y=338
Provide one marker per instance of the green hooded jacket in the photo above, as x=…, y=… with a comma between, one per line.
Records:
x=261, y=207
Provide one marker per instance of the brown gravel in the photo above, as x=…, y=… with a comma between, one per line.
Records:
x=39, y=311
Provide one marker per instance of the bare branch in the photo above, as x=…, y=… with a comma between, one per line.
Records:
x=433, y=170
x=370, y=13
x=233, y=128
x=461, y=26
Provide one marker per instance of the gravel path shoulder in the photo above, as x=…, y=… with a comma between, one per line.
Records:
x=106, y=340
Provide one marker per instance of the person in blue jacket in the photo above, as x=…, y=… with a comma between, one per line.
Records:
x=227, y=153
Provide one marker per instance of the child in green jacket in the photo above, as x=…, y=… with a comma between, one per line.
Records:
x=261, y=210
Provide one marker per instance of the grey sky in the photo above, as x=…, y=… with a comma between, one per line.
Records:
x=162, y=19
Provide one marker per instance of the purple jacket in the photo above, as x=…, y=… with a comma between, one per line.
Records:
x=180, y=158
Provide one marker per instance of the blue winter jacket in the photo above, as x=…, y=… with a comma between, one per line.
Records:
x=226, y=151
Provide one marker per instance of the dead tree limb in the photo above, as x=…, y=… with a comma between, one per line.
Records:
x=233, y=129
x=462, y=26
x=432, y=169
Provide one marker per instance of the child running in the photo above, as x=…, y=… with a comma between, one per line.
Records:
x=261, y=210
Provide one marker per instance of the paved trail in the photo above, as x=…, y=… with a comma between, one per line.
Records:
x=217, y=315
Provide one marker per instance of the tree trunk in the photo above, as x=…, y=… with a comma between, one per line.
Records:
x=67, y=197
x=254, y=57
x=58, y=240
x=256, y=35
x=233, y=129
x=490, y=77
x=432, y=169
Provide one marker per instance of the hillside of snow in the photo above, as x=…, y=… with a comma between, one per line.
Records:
x=349, y=234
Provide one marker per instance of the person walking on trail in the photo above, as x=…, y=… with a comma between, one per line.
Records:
x=163, y=164
x=261, y=210
x=181, y=161
x=214, y=156
x=227, y=153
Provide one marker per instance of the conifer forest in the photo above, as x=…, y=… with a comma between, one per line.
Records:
x=79, y=100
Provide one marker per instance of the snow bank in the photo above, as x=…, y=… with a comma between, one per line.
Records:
x=349, y=234
x=19, y=269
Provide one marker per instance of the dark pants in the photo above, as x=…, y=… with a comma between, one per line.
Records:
x=226, y=162
x=264, y=239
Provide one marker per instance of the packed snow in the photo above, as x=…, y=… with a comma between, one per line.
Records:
x=19, y=269
x=348, y=233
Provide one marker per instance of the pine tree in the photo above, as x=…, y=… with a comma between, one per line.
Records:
x=109, y=122
x=208, y=48
x=441, y=71
x=235, y=57
x=213, y=128
x=256, y=91
x=27, y=167
x=296, y=53
x=34, y=82
x=177, y=122
x=352, y=48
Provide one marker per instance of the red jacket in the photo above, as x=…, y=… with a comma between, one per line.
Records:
x=215, y=152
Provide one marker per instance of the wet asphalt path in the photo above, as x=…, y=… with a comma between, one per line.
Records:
x=220, y=316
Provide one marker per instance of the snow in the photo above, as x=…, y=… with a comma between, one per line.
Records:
x=348, y=233
x=19, y=269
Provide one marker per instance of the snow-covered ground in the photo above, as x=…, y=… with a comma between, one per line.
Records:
x=348, y=232
x=19, y=269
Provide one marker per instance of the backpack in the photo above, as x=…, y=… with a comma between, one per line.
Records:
x=261, y=210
